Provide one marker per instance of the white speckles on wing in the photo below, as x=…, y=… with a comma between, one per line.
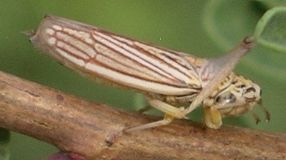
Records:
x=71, y=58
x=51, y=41
x=76, y=43
x=72, y=50
x=79, y=34
x=50, y=31
x=57, y=27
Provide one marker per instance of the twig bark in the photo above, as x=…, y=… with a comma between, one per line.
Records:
x=95, y=130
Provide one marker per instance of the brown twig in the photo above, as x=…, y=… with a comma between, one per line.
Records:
x=95, y=130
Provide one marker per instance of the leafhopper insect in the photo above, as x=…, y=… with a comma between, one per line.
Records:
x=173, y=82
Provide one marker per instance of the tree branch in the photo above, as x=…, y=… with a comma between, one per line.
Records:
x=95, y=130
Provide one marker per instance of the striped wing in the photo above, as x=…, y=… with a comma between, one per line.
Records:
x=116, y=59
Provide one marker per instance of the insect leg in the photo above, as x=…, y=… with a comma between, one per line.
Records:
x=167, y=108
x=167, y=120
x=212, y=117
x=170, y=111
x=266, y=112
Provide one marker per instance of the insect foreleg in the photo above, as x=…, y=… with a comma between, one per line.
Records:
x=212, y=117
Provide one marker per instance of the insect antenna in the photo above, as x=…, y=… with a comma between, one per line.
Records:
x=265, y=111
x=255, y=117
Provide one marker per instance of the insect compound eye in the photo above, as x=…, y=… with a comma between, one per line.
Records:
x=242, y=86
x=230, y=98
x=252, y=94
x=251, y=89
x=226, y=98
x=218, y=99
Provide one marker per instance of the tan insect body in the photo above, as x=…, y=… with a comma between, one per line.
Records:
x=174, y=82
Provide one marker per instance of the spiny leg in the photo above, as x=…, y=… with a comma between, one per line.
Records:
x=167, y=120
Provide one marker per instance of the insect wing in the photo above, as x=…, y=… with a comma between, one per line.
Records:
x=116, y=59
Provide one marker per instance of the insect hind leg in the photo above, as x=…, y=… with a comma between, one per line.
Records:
x=167, y=120
x=168, y=109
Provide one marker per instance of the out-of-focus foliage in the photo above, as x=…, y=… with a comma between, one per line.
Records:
x=202, y=28
x=4, y=144
x=270, y=30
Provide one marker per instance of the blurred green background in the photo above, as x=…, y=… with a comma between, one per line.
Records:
x=202, y=28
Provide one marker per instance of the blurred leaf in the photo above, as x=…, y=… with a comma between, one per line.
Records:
x=4, y=144
x=227, y=25
x=271, y=29
x=272, y=3
x=139, y=101
x=228, y=21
